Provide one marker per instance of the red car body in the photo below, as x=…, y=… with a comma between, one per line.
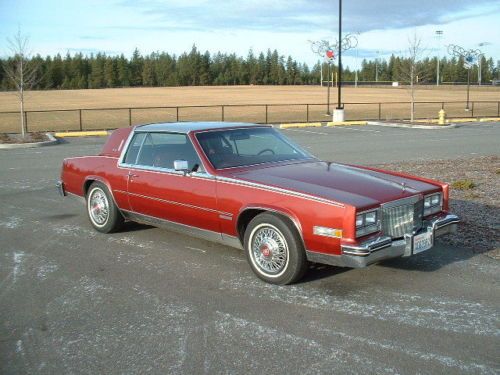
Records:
x=321, y=199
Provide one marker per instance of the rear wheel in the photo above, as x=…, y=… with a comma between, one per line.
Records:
x=274, y=249
x=101, y=209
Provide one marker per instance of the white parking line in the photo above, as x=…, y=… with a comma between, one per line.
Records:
x=195, y=248
x=306, y=131
x=357, y=130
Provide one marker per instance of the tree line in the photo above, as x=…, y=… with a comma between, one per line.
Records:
x=195, y=68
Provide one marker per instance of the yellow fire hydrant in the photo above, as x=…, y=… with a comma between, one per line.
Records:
x=442, y=117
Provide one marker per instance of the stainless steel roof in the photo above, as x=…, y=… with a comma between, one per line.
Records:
x=186, y=127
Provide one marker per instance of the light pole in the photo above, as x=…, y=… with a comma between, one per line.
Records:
x=340, y=107
x=439, y=36
x=479, y=72
x=376, y=67
x=470, y=59
x=326, y=51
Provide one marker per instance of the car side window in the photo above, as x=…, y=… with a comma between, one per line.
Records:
x=133, y=148
x=160, y=150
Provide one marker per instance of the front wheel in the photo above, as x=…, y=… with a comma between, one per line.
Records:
x=101, y=209
x=274, y=250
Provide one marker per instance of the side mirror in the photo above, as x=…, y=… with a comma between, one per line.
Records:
x=181, y=165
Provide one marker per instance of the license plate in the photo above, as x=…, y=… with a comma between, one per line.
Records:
x=422, y=242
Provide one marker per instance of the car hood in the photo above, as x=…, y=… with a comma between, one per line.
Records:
x=341, y=183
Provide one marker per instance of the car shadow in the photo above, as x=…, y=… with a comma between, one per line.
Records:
x=131, y=226
x=319, y=271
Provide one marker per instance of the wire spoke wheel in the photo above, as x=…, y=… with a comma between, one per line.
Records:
x=98, y=206
x=269, y=249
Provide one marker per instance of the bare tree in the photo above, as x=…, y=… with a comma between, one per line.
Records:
x=412, y=71
x=21, y=70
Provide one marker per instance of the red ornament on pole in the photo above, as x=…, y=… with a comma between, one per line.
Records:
x=330, y=54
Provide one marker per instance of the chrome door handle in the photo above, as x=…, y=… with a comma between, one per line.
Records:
x=131, y=175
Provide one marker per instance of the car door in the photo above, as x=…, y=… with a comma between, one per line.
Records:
x=156, y=190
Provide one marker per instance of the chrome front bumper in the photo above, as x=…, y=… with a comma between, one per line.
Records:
x=382, y=248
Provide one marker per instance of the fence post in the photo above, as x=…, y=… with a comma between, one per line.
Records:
x=266, y=112
x=176, y=114
x=80, y=119
x=442, y=106
x=472, y=110
x=222, y=112
x=307, y=112
x=379, y=111
x=130, y=117
x=498, y=109
x=26, y=120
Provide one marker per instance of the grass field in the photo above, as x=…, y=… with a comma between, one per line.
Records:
x=235, y=97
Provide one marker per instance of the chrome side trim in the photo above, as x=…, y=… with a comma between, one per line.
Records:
x=183, y=228
x=233, y=181
x=169, y=171
x=227, y=215
x=181, y=204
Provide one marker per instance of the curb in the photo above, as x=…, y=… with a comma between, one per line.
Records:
x=301, y=125
x=347, y=123
x=486, y=119
x=401, y=125
x=320, y=124
x=52, y=141
x=92, y=133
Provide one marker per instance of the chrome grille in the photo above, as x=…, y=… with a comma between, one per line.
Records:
x=402, y=216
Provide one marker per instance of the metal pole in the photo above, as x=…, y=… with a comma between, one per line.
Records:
x=328, y=91
x=380, y=111
x=26, y=121
x=468, y=86
x=222, y=113
x=339, y=104
x=439, y=35
x=307, y=112
x=472, y=110
x=321, y=82
x=437, y=76
x=479, y=71
x=130, y=117
x=80, y=115
x=266, y=112
x=177, y=114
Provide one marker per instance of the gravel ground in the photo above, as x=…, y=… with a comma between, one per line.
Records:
x=479, y=207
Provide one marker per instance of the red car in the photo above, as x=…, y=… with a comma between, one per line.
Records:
x=248, y=186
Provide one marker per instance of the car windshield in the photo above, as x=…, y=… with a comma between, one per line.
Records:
x=247, y=146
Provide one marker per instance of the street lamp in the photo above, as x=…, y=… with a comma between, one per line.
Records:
x=439, y=36
x=470, y=57
x=479, y=72
x=326, y=51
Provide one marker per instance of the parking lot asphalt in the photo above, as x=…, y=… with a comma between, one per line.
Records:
x=147, y=300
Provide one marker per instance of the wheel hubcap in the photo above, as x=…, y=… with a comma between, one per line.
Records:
x=99, y=207
x=269, y=250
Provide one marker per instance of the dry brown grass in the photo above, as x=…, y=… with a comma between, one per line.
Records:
x=229, y=95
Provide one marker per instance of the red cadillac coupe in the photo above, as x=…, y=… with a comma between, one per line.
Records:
x=248, y=186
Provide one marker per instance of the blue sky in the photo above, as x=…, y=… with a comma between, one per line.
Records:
x=235, y=26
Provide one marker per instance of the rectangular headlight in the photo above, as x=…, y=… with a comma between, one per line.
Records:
x=433, y=203
x=367, y=222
